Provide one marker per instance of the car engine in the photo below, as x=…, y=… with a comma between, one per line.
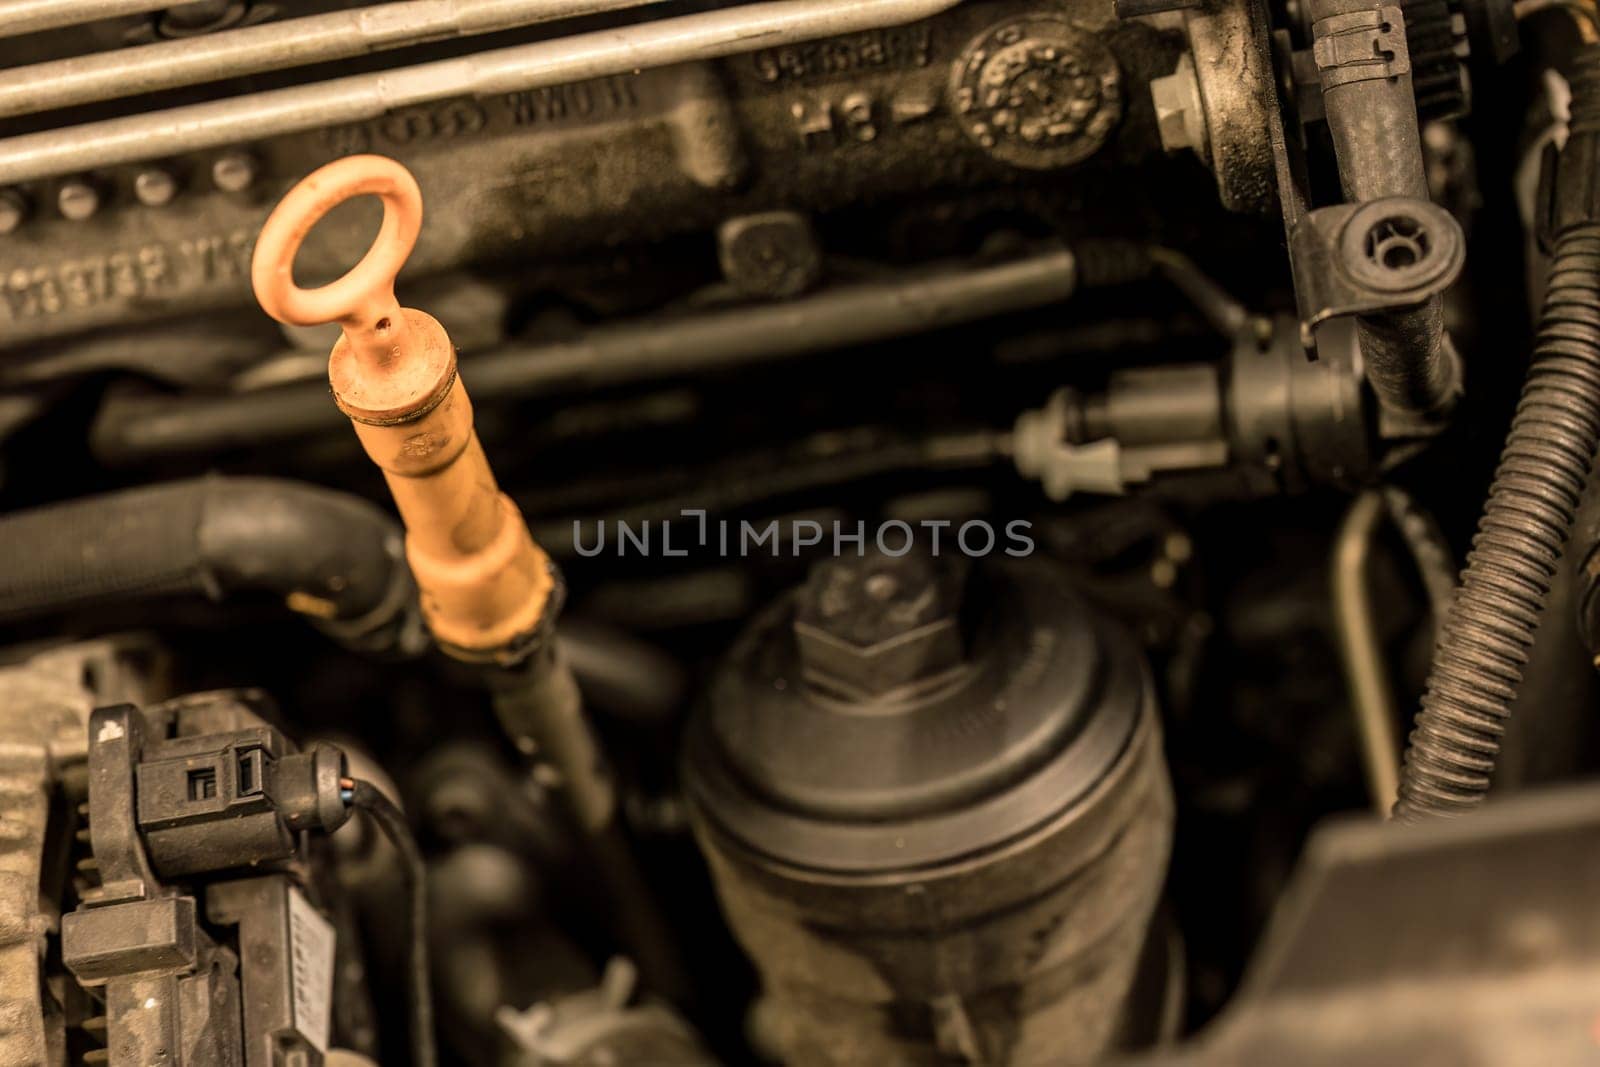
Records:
x=851, y=533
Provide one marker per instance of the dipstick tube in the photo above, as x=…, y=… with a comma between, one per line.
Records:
x=485, y=586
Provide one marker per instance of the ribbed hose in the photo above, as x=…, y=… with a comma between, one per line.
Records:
x=1478, y=661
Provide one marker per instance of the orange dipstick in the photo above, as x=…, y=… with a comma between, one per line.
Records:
x=484, y=584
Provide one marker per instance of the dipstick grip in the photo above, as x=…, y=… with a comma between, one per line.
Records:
x=484, y=584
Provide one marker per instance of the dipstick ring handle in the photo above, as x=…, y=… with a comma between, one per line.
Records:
x=364, y=297
x=483, y=584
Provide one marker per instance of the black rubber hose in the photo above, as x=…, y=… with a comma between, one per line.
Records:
x=1377, y=143
x=1484, y=643
x=331, y=556
x=419, y=978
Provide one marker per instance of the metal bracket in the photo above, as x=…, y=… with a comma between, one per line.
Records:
x=1381, y=255
x=1360, y=46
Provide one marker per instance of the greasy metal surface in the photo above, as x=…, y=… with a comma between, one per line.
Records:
x=44, y=713
x=274, y=46
x=549, y=179
x=1233, y=70
x=18, y=17
x=364, y=97
x=1038, y=92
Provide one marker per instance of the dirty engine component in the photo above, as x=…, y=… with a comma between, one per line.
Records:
x=862, y=533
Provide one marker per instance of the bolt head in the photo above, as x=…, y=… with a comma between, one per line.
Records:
x=868, y=626
x=1180, y=116
x=13, y=210
x=234, y=172
x=155, y=187
x=77, y=199
x=772, y=254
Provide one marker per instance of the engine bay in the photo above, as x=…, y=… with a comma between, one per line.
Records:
x=888, y=532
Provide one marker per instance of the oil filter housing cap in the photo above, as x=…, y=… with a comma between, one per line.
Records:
x=937, y=814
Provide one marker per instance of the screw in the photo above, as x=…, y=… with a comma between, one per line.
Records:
x=13, y=210
x=77, y=199
x=155, y=187
x=234, y=172
x=1180, y=116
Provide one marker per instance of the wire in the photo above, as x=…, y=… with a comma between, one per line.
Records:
x=419, y=990
x=1430, y=552
x=1225, y=314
